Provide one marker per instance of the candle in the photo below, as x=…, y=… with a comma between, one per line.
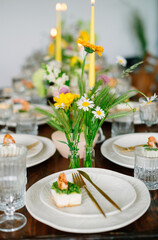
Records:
x=53, y=32
x=58, y=37
x=92, y=55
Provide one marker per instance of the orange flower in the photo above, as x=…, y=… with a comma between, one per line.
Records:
x=90, y=48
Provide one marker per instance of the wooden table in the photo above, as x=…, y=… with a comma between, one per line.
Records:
x=145, y=227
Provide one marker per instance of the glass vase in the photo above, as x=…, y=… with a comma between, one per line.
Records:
x=74, y=159
x=89, y=156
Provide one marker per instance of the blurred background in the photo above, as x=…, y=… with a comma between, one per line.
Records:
x=123, y=27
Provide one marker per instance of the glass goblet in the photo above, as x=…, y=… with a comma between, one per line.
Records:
x=148, y=112
x=6, y=111
x=12, y=182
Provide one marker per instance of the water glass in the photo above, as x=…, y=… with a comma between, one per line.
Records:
x=26, y=123
x=122, y=125
x=148, y=112
x=123, y=85
x=18, y=85
x=6, y=111
x=146, y=168
x=12, y=185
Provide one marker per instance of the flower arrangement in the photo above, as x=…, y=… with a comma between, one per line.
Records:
x=86, y=112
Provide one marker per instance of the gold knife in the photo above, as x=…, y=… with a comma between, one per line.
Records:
x=84, y=174
x=31, y=145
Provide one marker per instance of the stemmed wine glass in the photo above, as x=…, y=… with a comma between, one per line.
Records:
x=6, y=111
x=148, y=112
x=12, y=182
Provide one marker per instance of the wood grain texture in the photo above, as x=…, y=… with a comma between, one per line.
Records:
x=145, y=227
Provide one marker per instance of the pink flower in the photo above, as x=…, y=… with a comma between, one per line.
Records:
x=104, y=78
x=64, y=89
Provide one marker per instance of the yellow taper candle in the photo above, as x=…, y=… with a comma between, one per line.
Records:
x=92, y=55
x=58, y=37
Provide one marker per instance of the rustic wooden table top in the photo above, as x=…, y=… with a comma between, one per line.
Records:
x=145, y=227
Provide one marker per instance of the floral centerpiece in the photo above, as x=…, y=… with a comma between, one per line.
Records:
x=86, y=112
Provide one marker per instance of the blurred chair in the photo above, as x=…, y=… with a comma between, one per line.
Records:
x=145, y=78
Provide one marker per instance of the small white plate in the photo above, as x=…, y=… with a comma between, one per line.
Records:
x=108, y=151
x=132, y=140
x=111, y=185
x=75, y=224
x=25, y=140
x=47, y=151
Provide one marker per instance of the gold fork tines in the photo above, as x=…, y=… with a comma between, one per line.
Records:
x=77, y=179
x=31, y=145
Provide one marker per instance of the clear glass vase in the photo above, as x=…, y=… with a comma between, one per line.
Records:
x=89, y=156
x=74, y=159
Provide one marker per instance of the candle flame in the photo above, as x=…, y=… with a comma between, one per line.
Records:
x=63, y=7
x=92, y=1
x=58, y=7
x=53, y=32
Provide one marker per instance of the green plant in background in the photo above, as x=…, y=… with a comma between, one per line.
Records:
x=138, y=28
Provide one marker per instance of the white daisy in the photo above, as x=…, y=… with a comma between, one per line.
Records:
x=85, y=104
x=152, y=98
x=98, y=113
x=60, y=81
x=56, y=72
x=121, y=60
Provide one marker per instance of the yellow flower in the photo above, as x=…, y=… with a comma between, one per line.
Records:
x=84, y=35
x=90, y=48
x=75, y=60
x=65, y=100
x=51, y=49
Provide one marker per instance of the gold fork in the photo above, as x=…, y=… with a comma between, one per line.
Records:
x=31, y=145
x=78, y=180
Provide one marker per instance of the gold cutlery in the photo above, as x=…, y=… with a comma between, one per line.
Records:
x=31, y=145
x=127, y=149
x=101, y=191
x=77, y=179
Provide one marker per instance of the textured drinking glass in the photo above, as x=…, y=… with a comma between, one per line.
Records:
x=148, y=112
x=123, y=85
x=122, y=125
x=12, y=185
x=6, y=111
x=146, y=168
x=18, y=85
x=26, y=123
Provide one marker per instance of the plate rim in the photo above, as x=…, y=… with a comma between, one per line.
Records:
x=137, y=184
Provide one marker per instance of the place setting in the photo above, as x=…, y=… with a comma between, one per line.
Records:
x=79, y=117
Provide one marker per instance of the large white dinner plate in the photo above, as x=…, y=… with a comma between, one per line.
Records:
x=26, y=140
x=107, y=148
x=112, y=185
x=41, y=119
x=75, y=224
x=131, y=140
x=47, y=151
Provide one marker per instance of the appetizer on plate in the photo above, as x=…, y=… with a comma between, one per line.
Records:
x=151, y=149
x=64, y=193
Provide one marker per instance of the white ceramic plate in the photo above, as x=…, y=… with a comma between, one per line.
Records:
x=111, y=185
x=41, y=119
x=137, y=119
x=75, y=224
x=47, y=151
x=132, y=140
x=25, y=140
x=108, y=151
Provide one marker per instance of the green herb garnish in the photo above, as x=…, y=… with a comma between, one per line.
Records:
x=72, y=188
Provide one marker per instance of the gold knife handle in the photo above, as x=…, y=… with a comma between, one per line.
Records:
x=94, y=201
x=106, y=196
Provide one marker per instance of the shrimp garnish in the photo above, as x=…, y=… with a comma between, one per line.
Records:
x=152, y=142
x=24, y=103
x=62, y=181
x=8, y=139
